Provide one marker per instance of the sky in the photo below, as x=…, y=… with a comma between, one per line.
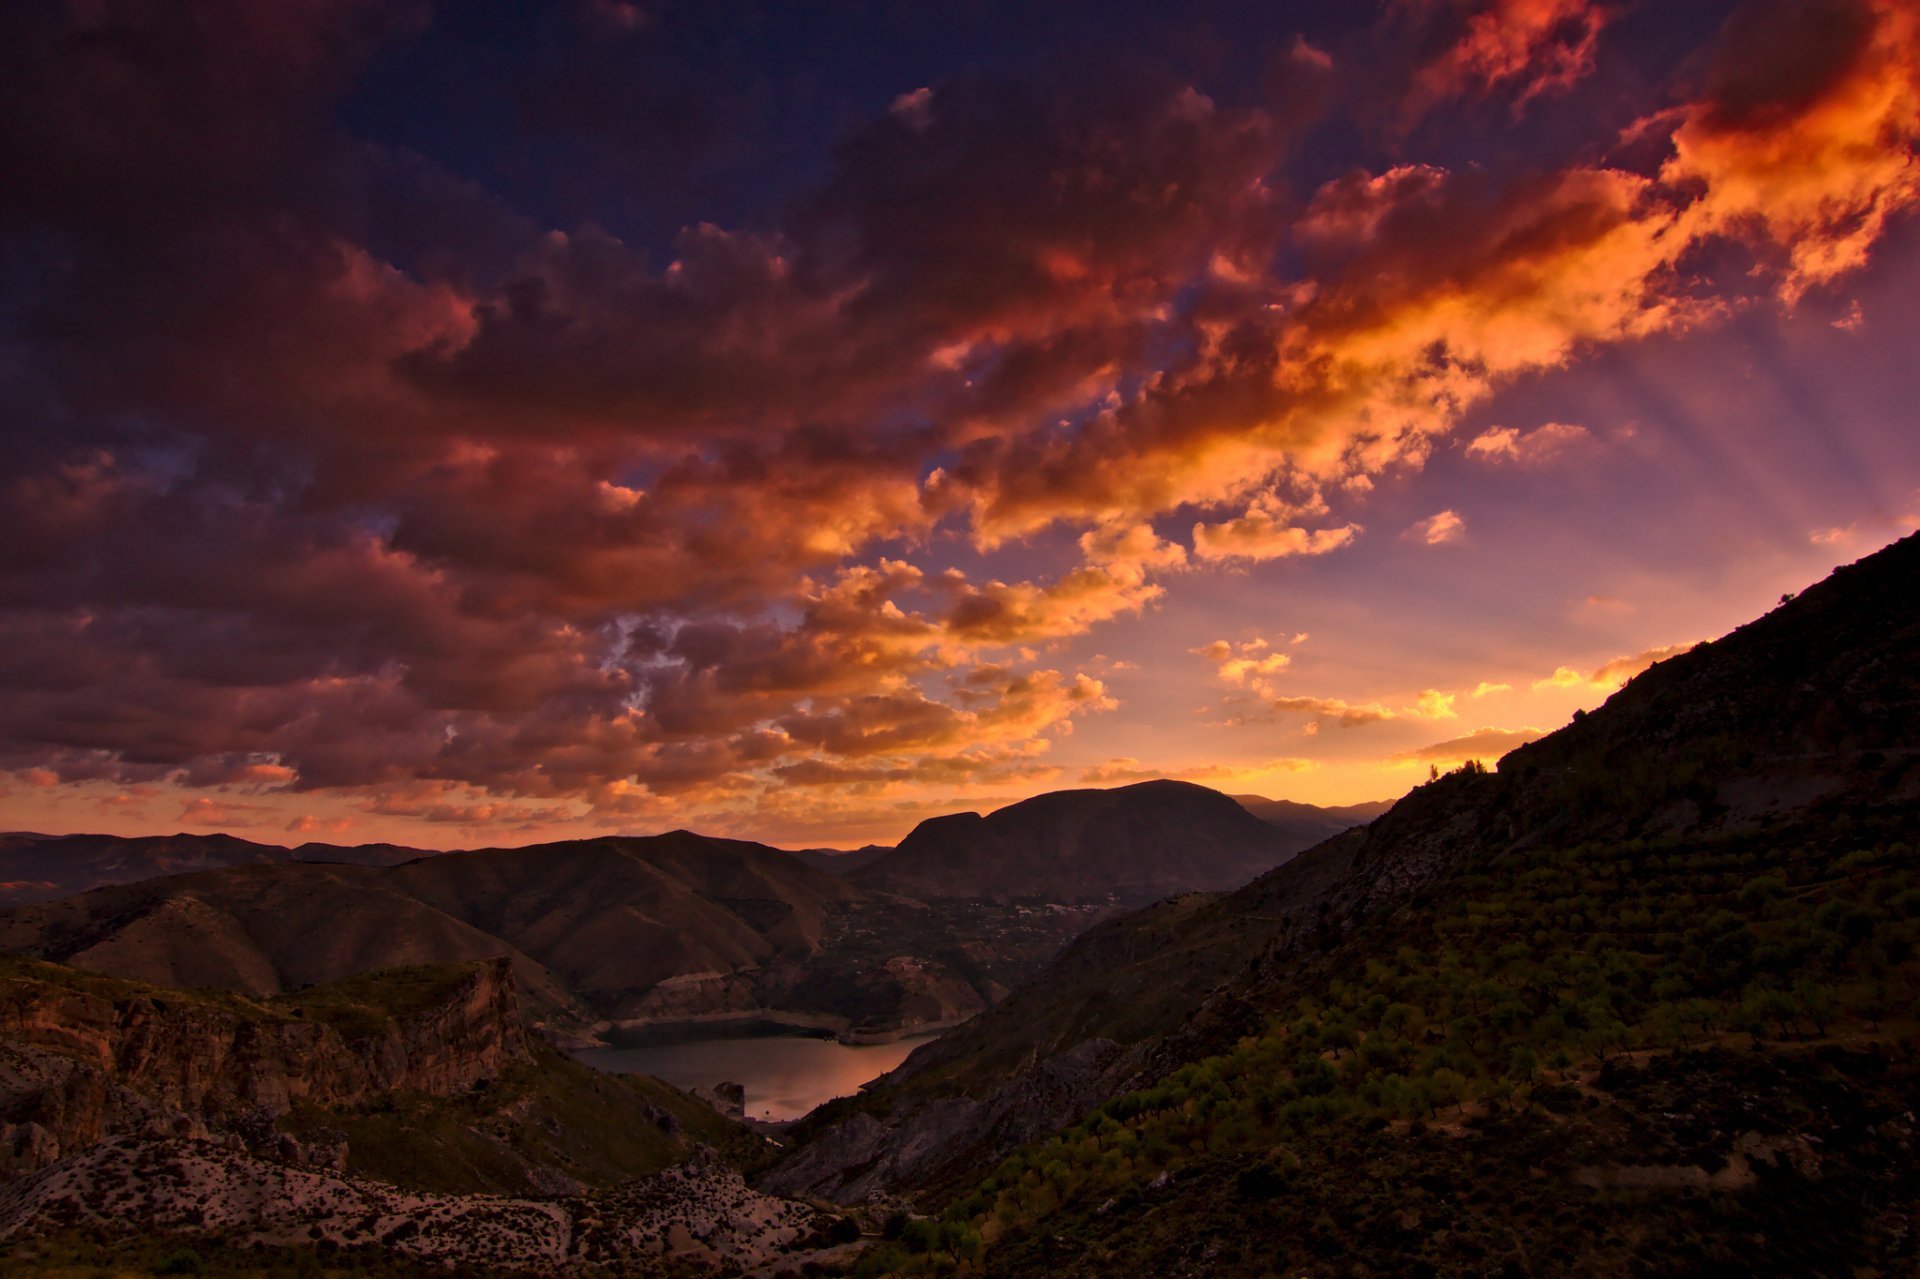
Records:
x=474, y=424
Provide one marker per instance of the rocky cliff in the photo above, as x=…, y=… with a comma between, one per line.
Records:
x=83, y=1059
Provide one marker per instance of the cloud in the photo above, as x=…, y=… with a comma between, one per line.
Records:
x=1434, y=704
x=1484, y=688
x=1249, y=660
x=1803, y=142
x=1537, y=447
x=1438, y=530
x=1257, y=536
x=1124, y=771
x=1482, y=743
x=1611, y=675
x=1526, y=48
x=1345, y=714
x=308, y=824
x=1621, y=669
x=203, y=810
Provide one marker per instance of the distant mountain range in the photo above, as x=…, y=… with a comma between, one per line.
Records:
x=638, y=930
x=839, y=861
x=44, y=868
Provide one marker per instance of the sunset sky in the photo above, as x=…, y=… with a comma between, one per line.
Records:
x=479, y=423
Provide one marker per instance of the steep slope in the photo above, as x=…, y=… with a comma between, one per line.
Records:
x=1132, y=844
x=1795, y=723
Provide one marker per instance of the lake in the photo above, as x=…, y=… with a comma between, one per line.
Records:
x=785, y=1075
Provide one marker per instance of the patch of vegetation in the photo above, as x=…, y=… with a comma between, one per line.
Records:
x=360, y=1007
x=1666, y=1056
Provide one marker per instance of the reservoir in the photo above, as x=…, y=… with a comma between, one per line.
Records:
x=785, y=1075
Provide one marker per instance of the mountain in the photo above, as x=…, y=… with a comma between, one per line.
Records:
x=1132, y=844
x=1626, y=1005
x=1308, y=824
x=44, y=868
x=839, y=861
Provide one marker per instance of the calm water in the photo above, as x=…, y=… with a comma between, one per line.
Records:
x=785, y=1075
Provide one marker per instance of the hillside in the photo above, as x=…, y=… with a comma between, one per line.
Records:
x=1719, y=861
x=1132, y=844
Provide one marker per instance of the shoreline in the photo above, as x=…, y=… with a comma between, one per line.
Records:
x=644, y=1032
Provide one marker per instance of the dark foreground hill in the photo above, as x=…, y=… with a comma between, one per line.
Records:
x=1637, y=1002
x=1132, y=844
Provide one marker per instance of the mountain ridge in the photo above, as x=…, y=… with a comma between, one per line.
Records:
x=614, y=931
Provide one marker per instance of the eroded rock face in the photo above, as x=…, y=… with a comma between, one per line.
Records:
x=77, y=1067
x=699, y=1213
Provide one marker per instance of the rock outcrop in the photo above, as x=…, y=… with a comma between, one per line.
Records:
x=699, y=1213
x=81, y=1063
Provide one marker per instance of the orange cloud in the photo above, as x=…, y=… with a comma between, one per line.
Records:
x=1531, y=47
x=1345, y=714
x=1124, y=771
x=1249, y=663
x=1805, y=140
x=1533, y=448
x=1438, y=530
x=1262, y=535
x=1611, y=675
x=1482, y=743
